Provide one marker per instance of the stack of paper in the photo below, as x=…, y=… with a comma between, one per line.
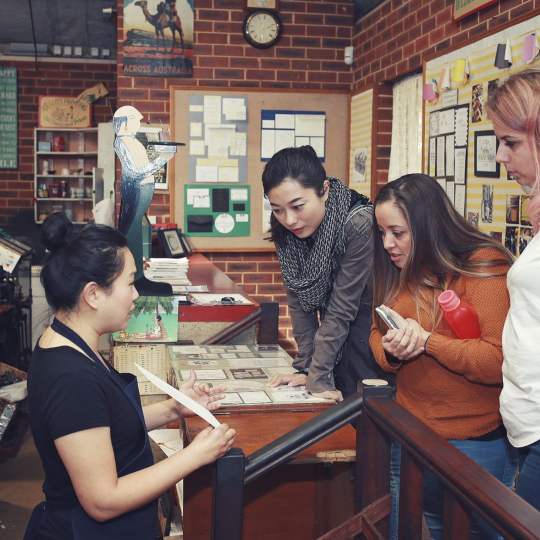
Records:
x=173, y=271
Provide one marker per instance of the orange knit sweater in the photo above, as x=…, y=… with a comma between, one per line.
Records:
x=454, y=388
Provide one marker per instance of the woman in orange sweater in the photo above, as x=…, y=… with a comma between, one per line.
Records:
x=423, y=247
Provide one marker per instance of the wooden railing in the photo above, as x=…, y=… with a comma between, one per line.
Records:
x=468, y=488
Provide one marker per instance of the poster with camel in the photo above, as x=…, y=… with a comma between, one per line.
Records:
x=158, y=38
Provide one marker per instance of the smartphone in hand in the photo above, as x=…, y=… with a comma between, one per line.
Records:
x=386, y=317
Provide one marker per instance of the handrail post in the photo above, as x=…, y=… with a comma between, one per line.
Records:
x=372, y=451
x=228, y=496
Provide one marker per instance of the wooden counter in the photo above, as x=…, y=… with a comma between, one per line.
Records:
x=300, y=500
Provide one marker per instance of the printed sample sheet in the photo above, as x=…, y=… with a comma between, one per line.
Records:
x=244, y=371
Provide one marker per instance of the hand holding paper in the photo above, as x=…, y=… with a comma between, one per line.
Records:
x=182, y=398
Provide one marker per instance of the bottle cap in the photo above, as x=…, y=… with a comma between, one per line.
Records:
x=448, y=300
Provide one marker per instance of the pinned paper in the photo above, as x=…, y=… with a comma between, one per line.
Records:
x=530, y=48
x=445, y=79
x=501, y=56
x=430, y=91
x=460, y=71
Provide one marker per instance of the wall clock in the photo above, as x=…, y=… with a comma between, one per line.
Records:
x=262, y=28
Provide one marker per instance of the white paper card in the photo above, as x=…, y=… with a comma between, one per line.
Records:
x=195, y=129
x=198, y=409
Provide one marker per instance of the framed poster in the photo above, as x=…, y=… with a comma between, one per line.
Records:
x=462, y=8
x=485, y=152
x=63, y=111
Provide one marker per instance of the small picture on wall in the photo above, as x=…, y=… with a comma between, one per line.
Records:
x=472, y=219
x=525, y=236
x=487, y=204
x=477, y=105
x=510, y=239
x=485, y=151
x=524, y=215
x=512, y=209
x=492, y=85
x=360, y=161
x=496, y=235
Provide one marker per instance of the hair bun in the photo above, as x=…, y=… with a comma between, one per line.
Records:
x=56, y=231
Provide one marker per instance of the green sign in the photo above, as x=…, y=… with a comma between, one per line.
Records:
x=8, y=118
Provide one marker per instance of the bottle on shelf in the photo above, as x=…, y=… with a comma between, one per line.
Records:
x=460, y=315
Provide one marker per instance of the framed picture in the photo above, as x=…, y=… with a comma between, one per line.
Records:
x=462, y=8
x=174, y=243
x=147, y=135
x=485, y=152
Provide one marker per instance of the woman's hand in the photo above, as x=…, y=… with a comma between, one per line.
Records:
x=212, y=443
x=408, y=341
x=203, y=394
x=332, y=395
x=291, y=379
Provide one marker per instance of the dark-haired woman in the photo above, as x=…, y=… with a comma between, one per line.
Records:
x=423, y=247
x=87, y=420
x=322, y=232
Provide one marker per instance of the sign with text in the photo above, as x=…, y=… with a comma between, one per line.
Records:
x=8, y=118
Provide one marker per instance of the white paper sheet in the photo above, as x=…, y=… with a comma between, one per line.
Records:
x=212, y=109
x=239, y=194
x=460, y=165
x=309, y=125
x=284, y=139
x=228, y=174
x=198, y=409
x=317, y=144
x=284, y=121
x=206, y=174
x=268, y=147
x=195, y=129
x=234, y=109
x=450, y=155
x=196, y=147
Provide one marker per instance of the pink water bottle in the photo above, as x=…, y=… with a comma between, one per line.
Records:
x=460, y=316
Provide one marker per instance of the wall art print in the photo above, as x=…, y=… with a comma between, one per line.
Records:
x=158, y=38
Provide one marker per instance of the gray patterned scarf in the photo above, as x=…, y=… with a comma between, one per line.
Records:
x=308, y=265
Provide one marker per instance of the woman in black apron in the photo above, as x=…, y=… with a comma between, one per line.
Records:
x=87, y=420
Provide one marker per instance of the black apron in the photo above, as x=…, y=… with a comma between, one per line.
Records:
x=138, y=524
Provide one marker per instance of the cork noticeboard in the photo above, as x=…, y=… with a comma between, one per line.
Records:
x=334, y=105
x=482, y=192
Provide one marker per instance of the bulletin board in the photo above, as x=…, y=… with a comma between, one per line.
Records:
x=334, y=105
x=479, y=188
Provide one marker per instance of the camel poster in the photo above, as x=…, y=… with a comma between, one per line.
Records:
x=158, y=38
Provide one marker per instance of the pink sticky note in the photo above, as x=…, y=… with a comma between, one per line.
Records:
x=429, y=92
x=530, y=48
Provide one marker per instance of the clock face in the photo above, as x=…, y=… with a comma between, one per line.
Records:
x=262, y=28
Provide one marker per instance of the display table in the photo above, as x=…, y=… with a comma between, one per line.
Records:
x=300, y=500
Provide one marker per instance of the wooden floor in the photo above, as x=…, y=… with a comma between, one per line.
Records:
x=20, y=489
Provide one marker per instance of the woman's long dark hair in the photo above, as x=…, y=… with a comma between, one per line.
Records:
x=442, y=242
x=301, y=164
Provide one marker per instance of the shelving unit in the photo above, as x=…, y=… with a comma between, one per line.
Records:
x=73, y=170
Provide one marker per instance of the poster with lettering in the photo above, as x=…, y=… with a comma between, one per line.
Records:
x=8, y=118
x=158, y=38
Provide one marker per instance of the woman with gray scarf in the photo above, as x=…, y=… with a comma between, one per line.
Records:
x=323, y=236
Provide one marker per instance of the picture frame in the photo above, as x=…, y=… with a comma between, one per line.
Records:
x=174, y=243
x=463, y=8
x=149, y=134
x=485, y=152
x=63, y=112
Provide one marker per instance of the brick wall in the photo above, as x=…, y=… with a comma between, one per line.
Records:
x=50, y=78
x=308, y=55
x=400, y=35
